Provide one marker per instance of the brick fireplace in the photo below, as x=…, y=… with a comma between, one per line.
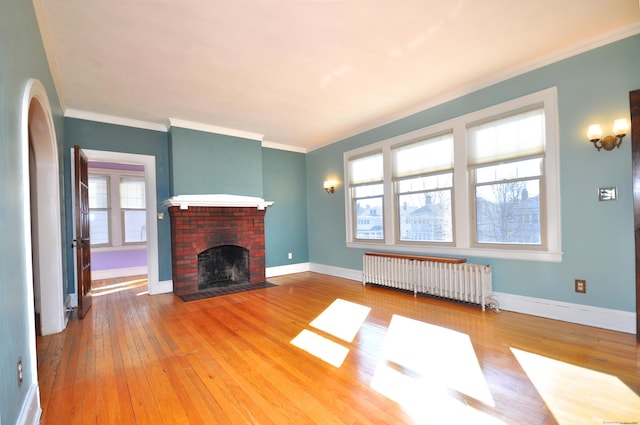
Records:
x=202, y=223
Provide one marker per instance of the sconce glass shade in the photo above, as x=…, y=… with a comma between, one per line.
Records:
x=329, y=186
x=594, y=132
x=620, y=126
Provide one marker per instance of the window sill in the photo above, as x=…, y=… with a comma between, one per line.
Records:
x=506, y=254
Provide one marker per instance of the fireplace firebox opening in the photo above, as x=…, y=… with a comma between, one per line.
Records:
x=222, y=266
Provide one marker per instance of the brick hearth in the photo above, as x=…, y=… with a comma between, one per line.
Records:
x=198, y=228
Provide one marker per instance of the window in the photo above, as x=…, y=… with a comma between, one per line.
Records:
x=117, y=207
x=99, y=227
x=365, y=185
x=484, y=184
x=132, y=205
x=505, y=159
x=423, y=177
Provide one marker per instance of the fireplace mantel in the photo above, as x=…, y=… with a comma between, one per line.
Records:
x=217, y=200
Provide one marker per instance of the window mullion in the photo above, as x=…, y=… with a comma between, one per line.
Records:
x=390, y=214
x=461, y=193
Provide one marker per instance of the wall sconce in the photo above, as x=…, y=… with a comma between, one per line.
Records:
x=329, y=186
x=620, y=128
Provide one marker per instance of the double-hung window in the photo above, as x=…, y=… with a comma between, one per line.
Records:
x=367, y=190
x=483, y=184
x=99, y=222
x=506, y=162
x=423, y=187
x=132, y=205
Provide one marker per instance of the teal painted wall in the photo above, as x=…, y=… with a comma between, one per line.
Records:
x=597, y=237
x=117, y=138
x=21, y=57
x=284, y=180
x=208, y=163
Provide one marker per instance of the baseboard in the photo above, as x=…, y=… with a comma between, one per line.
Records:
x=31, y=410
x=113, y=273
x=162, y=287
x=337, y=271
x=288, y=269
x=606, y=318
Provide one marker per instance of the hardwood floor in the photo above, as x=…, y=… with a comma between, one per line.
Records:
x=140, y=359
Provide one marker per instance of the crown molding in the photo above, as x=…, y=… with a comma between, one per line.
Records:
x=283, y=147
x=208, y=128
x=110, y=119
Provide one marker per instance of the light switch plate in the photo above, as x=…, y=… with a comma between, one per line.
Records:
x=607, y=194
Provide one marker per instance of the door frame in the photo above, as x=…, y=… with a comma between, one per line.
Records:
x=634, y=106
x=149, y=164
x=46, y=213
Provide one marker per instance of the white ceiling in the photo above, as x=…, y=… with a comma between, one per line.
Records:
x=303, y=73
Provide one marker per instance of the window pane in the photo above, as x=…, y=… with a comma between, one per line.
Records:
x=368, y=190
x=366, y=170
x=99, y=227
x=508, y=213
x=369, y=218
x=425, y=183
x=98, y=191
x=426, y=216
x=426, y=156
x=135, y=226
x=132, y=193
x=514, y=136
x=510, y=171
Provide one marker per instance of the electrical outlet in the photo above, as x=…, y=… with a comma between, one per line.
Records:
x=581, y=286
x=20, y=371
x=290, y=256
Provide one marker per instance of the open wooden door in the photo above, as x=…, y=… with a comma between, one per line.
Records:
x=82, y=242
x=634, y=102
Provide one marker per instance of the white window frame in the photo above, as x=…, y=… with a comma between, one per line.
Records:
x=462, y=200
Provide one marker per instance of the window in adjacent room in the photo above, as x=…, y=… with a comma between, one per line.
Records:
x=99, y=195
x=132, y=205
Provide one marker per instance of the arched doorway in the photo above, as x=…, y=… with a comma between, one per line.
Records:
x=42, y=208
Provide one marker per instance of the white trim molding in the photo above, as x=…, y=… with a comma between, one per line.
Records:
x=31, y=410
x=599, y=317
x=163, y=287
x=287, y=269
x=208, y=128
x=123, y=272
x=111, y=119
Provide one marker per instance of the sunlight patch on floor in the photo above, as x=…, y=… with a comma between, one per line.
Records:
x=576, y=394
x=117, y=287
x=342, y=319
x=321, y=347
x=432, y=372
x=436, y=354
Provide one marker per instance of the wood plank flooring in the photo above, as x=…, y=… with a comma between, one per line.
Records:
x=140, y=359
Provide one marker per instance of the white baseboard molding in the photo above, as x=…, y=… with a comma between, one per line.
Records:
x=337, y=271
x=113, y=273
x=599, y=317
x=31, y=409
x=288, y=269
x=162, y=287
x=606, y=318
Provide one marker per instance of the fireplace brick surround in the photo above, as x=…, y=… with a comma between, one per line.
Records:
x=197, y=228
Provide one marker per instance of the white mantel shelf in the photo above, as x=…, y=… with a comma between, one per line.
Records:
x=217, y=200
